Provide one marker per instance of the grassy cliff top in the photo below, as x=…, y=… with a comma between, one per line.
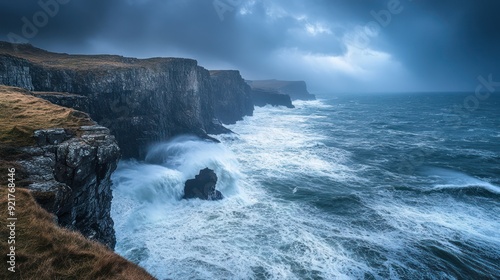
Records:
x=21, y=114
x=46, y=251
x=81, y=62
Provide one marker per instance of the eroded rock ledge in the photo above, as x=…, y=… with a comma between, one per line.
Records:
x=70, y=177
x=63, y=157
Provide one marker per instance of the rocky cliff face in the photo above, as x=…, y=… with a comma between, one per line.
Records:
x=70, y=177
x=77, y=102
x=140, y=101
x=263, y=97
x=63, y=158
x=232, y=96
x=297, y=90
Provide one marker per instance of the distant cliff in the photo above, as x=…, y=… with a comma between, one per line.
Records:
x=262, y=97
x=63, y=158
x=233, y=99
x=139, y=100
x=297, y=90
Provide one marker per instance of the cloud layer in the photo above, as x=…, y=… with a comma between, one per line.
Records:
x=335, y=45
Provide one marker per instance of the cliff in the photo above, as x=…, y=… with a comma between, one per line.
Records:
x=45, y=251
x=233, y=98
x=262, y=97
x=63, y=158
x=297, y=90
x=77, y=102
x=140, y=100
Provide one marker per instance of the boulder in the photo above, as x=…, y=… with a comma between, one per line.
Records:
x=203, y=186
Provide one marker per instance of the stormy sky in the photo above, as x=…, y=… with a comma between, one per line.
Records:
x=334, y=45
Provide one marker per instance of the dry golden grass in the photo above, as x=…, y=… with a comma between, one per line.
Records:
x=61, y=60
x=21, y=114
x=46, y=251
x=75, y=62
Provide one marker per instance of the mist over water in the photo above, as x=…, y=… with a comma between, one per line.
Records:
x=356, y=187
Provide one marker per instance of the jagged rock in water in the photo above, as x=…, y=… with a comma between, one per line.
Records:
x=203, y=186
x=262, y=97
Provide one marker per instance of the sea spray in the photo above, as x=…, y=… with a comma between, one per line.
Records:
x=316, y=192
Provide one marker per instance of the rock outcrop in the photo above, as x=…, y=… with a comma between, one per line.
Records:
x=202, y=186
x=65, y=159
x=262, y=97
x=77, y=102
x=233, y=99
x=297, y=90
x=71, y=178
x=139, y=100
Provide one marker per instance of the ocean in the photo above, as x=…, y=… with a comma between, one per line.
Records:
x=353, y=186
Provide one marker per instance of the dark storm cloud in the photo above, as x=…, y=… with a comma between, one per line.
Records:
x=428, y=45
x=447, y=43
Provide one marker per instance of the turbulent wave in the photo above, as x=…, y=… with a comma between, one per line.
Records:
x=316, y=192
x=453, y=180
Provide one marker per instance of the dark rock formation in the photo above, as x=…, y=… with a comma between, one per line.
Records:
x=297, y=90
x=262, y=97
x=232, y=96
x=63, y=157
x=202, y=186
x=70, y=177
x=78, y=102
x=139, y=100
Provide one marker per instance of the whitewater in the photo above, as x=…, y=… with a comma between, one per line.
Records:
x=351, y=187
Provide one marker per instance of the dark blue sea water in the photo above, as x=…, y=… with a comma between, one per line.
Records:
x=380, y=186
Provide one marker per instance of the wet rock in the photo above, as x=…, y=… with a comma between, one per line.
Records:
x=203, y=186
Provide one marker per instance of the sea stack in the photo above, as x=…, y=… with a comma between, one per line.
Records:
x=203, y=186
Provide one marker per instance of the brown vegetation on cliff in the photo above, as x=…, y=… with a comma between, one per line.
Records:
x=75, y=62
x=21, y=114
x=43, y=249
x=46, y=251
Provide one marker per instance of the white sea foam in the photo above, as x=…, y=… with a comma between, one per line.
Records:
x=450, y=179
x=250, y=233
x=254, y=233
x=278, y=142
